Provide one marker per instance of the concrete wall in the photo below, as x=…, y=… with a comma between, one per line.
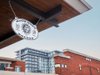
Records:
x=21, y=73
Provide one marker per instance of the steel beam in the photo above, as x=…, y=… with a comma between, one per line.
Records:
x=54, y=22
x=53, y=12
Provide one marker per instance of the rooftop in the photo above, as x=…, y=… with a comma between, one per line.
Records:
x=82, y=54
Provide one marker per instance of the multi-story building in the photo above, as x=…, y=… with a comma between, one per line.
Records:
x=36, y=60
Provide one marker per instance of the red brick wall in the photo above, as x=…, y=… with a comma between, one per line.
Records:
x=19, y=63
x=59, y=70
x=73, y=65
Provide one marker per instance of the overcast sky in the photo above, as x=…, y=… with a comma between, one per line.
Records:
x=81, y=33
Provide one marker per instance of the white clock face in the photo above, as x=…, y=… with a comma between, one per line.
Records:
x=25, y=29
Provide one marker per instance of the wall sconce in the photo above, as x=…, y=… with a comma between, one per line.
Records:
x=80, y=67
x=98, y=69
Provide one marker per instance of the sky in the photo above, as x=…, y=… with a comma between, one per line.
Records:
x=81, y=33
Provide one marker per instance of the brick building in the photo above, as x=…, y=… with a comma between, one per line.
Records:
x=10, y=64
x=67, y=62
x=76, y=64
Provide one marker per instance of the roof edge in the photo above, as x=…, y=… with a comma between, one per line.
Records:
x=9, y=59
x=80, y=5
x=63, y=56
x=82, y=54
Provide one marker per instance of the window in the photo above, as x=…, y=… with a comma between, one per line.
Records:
x=2, y=66
x=62, y=65
x=26, y=51
x=65, y=66
x=57, y=65
x=17, y=69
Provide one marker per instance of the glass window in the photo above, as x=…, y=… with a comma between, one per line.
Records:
x=17, y=69
x=62, y=65
x=2, y=66
x=57, y=65
x=65, y=66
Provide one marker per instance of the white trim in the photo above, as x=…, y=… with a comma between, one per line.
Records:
x=5, y=62
x=9, y=59
x=80, y=5
x=82, y=54
x=86, y=4
x=68, y=57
